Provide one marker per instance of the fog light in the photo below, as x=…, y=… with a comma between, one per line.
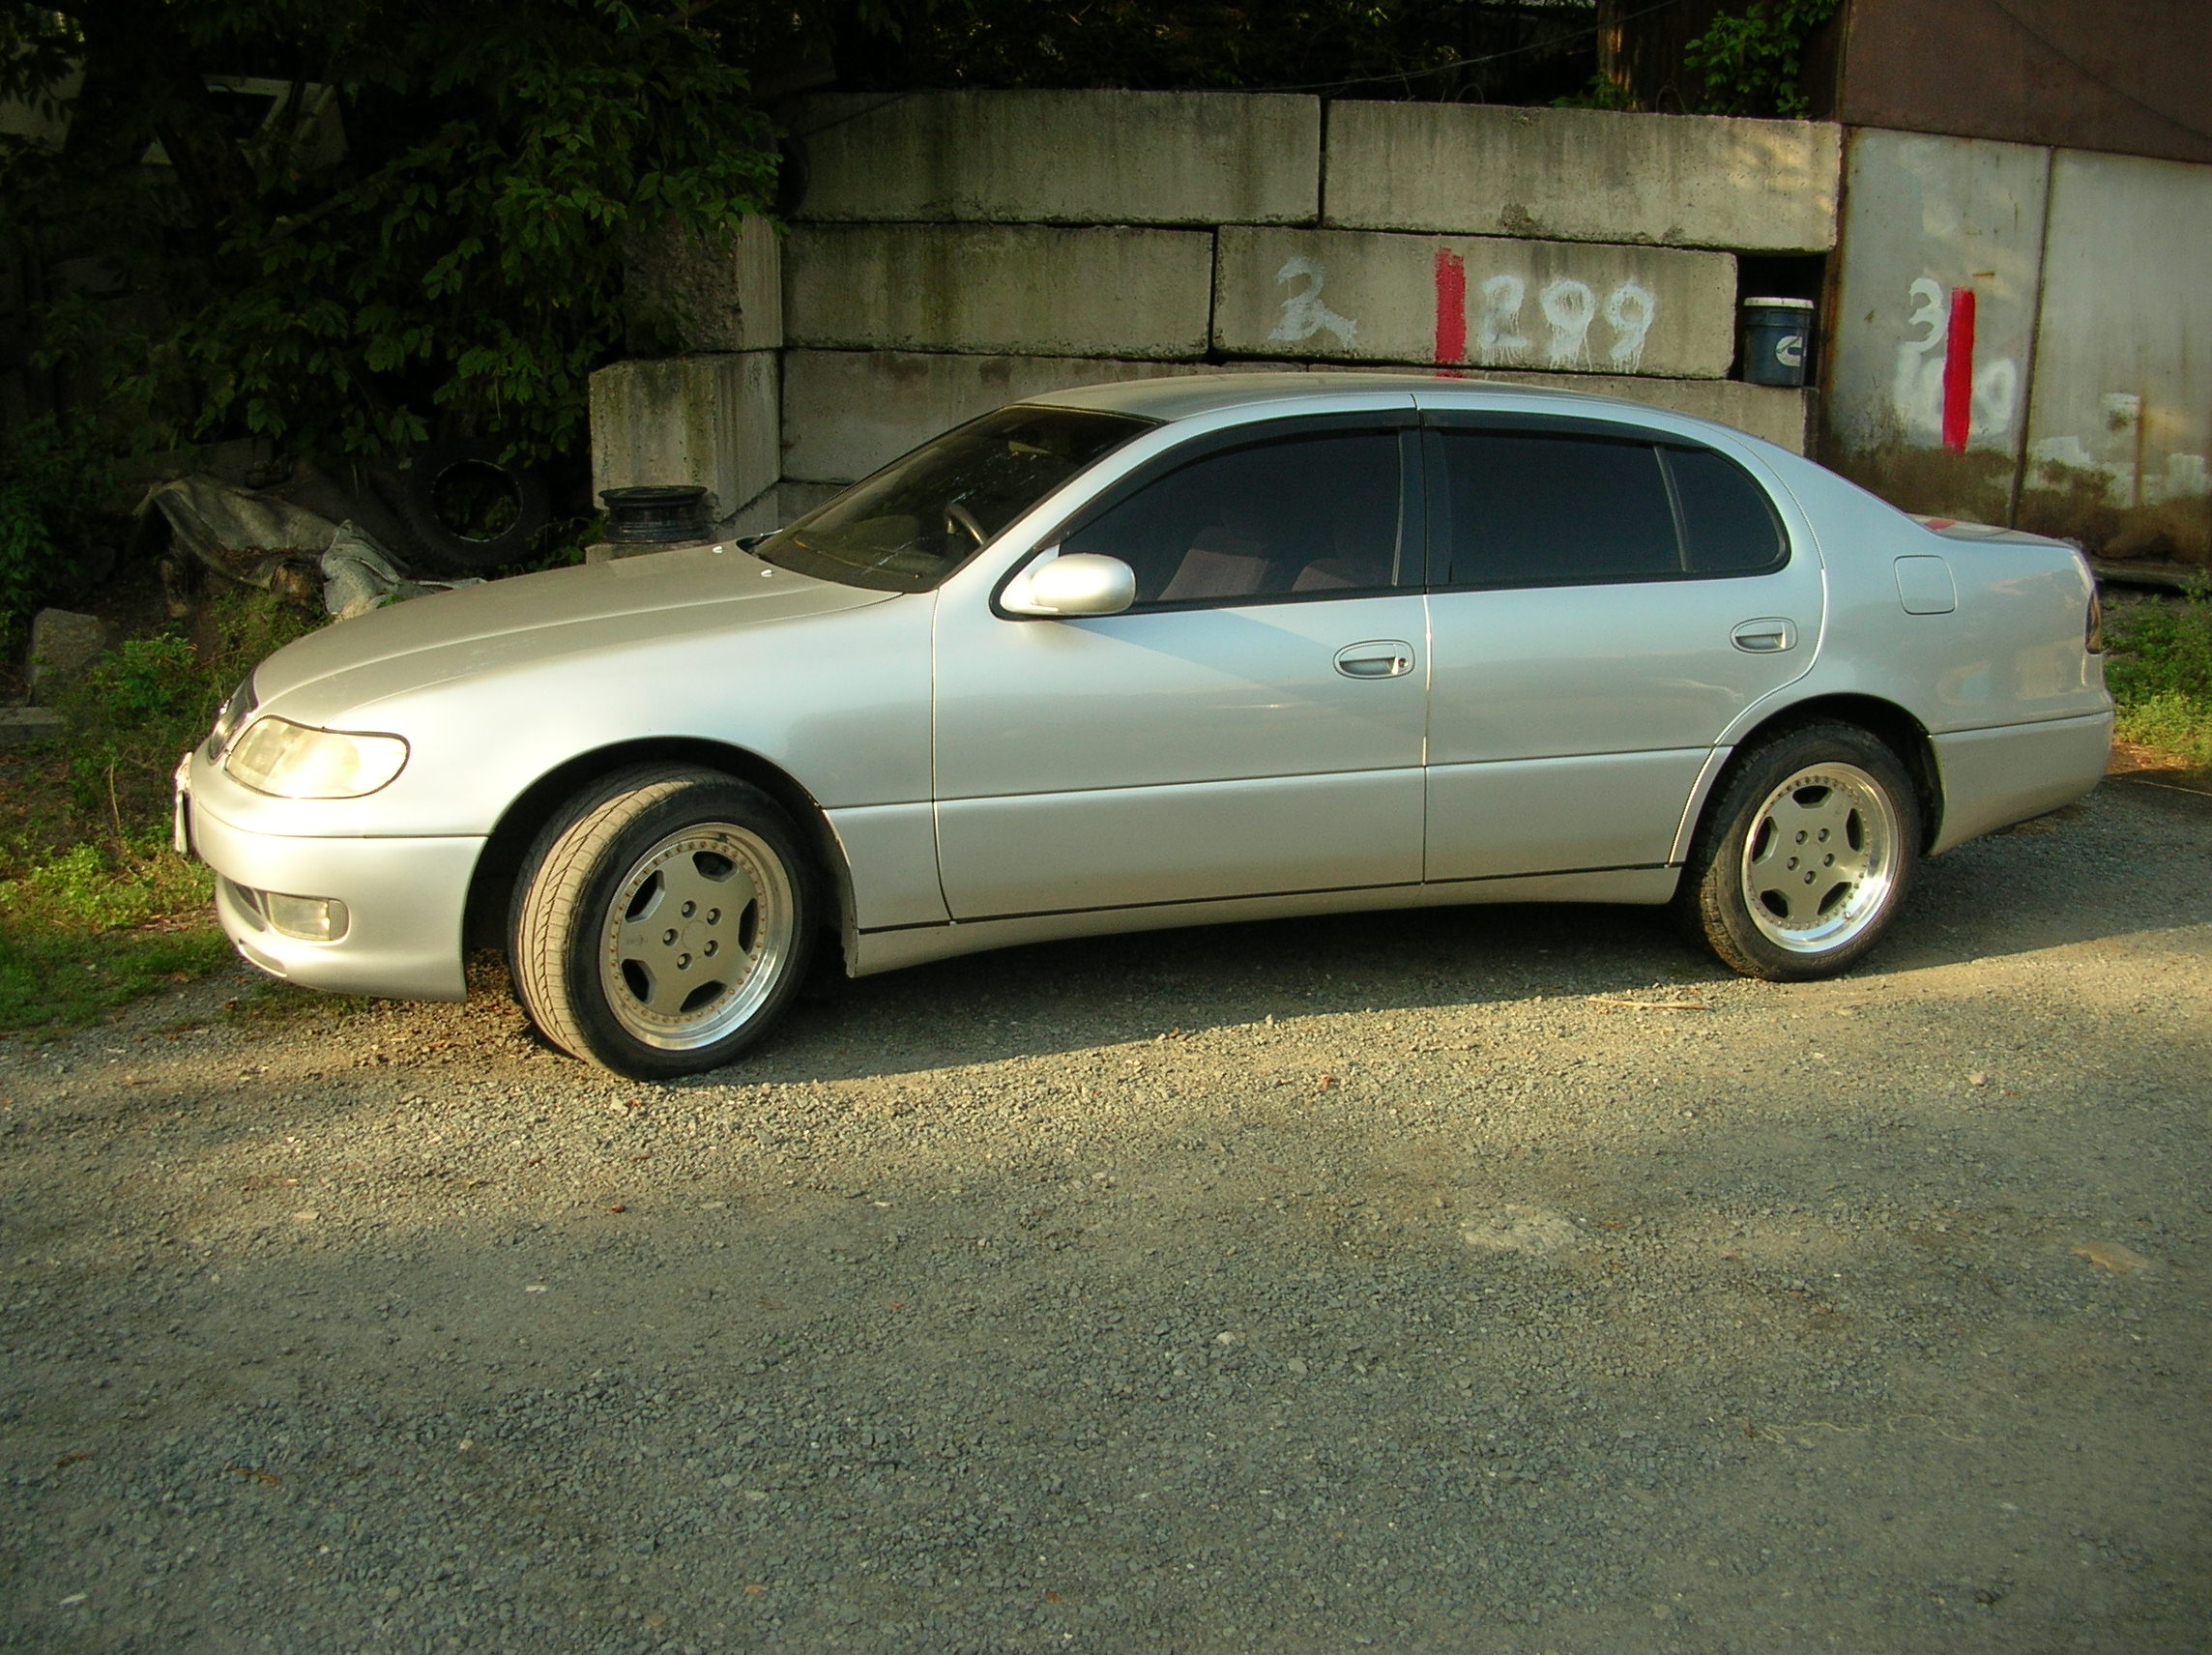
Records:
x=308, y=918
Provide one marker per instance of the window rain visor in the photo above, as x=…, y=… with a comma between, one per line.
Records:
x=912, y=524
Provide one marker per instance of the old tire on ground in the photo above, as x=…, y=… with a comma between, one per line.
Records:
x=662, y=922
x=1804, y=856
x=424, y=474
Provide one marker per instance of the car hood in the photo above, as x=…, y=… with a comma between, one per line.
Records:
x=537, y=616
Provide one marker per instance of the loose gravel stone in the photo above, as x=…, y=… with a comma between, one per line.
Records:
x=1509, y=1280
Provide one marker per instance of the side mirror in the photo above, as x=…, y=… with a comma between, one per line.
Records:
x=1078, y=583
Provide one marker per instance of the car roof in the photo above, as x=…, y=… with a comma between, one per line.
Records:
x=1183, y=397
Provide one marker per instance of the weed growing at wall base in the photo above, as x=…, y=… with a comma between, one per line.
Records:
x=2161, y=674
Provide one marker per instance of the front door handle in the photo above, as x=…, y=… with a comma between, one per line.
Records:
x=1766, y=637
x=1377, y=657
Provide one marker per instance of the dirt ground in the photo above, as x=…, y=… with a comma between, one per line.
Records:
x=1501, y=1280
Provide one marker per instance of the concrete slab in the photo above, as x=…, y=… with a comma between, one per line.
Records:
x=1484, y=301
x=846, y=413
x=683, y=292
x=1926, y=218
x=999, y=290
x=64, y=645
x=20, y=725
x=1584, y=175
x=2119, y=439
x=1063, y=157
x=708, y=420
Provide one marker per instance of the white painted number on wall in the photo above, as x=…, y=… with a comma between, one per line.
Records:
x=1916, y=386
x=1569, y=309
x=1629, y=309
x=1499, y=332
x=1927, y=313
x=1304, y=313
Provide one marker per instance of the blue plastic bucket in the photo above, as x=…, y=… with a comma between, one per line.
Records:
x=1776, y=335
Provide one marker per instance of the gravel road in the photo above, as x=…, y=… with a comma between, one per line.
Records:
x=1500, y=1281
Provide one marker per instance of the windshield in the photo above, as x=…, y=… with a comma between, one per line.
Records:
x=915, y=521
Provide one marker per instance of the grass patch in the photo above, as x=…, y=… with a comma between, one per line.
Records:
x=51, y=981
x=2161, y=675
x=87, y=928
x=95, y=910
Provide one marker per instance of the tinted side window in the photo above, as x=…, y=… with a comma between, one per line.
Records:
x=1299, y=517
x=1728, y=526
x=1522, y=508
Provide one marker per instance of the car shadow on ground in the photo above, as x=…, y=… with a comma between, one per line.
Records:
x=1721, y=1317
x=2073, y=877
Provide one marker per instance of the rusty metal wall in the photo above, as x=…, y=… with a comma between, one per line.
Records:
x=2019, y=336
x=2124, y=76
x=2119, y=426
x=1928, y=218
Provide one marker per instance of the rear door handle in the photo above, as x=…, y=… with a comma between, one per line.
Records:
x=1764, y=637
x=1377, y=657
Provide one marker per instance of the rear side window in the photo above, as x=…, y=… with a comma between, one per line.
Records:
x=1729, y=525
x=1539, y=508
x=1530, y=510
x=1301, y=517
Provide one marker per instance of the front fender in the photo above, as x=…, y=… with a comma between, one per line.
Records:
x=839, y=702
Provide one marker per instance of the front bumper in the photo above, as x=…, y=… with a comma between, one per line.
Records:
x=404, y=900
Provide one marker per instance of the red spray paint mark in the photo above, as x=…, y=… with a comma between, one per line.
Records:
x=1959, y=371
x=1451, y=307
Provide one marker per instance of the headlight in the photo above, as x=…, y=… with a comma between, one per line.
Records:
x=291, y=761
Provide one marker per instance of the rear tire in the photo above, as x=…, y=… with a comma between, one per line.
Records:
x=1804, y=856
x=662, y=922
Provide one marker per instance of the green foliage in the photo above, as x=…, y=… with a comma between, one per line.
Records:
x=50, y=485
x=85, y=889
x=1474, y=51
x=2161, y=675
x=145, y=702
x=55, y=975
x=29, y=560
x=148, y=678
x=1602, y=93
x=94, y=907
x=459, y=267
x=1752, y=62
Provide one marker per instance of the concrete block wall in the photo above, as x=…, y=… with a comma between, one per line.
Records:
x=709, y=419
x=957, y=251
x=2020, y=339
x=999, y=289
x=1585, y=175
x=1062, y=157
x=706, y=294
x=1481, y=302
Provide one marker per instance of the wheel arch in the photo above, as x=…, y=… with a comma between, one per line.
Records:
x=1896, y=728
x=490, y=886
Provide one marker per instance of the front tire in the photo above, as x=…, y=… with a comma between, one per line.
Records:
x=1806, y=855
x=662, y=922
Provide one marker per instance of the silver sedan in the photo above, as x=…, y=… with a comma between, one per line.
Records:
x=1155, y=654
